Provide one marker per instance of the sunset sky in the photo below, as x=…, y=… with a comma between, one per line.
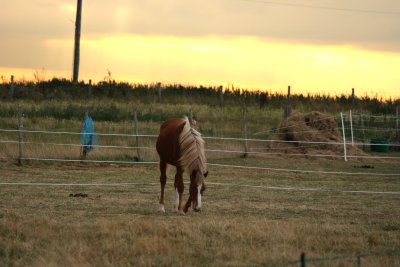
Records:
x=316, y=46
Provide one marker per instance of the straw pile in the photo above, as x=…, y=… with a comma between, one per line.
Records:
x=311, y=127
x=305, y=131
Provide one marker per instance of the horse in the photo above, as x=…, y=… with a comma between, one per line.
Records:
x=180, y=145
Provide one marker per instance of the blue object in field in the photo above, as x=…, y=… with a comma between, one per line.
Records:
x=88, y=137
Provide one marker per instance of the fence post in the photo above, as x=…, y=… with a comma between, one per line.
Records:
x=137, y=136
x=303, y=259
x=351, y=128
x=288, y=107
x=191, y=118
x=344, y=137
x=159, y=92
x=246, y=148
x=358, y=261
x=352, y=96
x=90, y=89
x=397, y=125
x=12, y=86
x=20, y=137
x=220, y=96
x=362, y=129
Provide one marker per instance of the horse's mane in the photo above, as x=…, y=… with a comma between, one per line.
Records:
x=192, y=149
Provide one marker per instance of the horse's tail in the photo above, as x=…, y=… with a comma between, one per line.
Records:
x=191, y=148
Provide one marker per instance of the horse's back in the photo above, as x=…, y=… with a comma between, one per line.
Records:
x=168, y=141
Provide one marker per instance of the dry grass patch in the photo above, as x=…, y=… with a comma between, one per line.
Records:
x=119, y=225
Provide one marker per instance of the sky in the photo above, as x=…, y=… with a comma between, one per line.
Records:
x=315, y=46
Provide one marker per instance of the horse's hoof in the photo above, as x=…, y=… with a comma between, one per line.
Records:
x=161, y=208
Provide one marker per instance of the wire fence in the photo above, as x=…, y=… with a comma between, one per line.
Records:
x=208, y=151
x=305, y=144
x=215, y=145
x=357, y=258
x=215, y=184
x=122, y=148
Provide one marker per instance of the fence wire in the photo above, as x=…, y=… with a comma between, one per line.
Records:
x=357, y=258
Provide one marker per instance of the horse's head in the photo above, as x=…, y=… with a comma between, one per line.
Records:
x=197, y=187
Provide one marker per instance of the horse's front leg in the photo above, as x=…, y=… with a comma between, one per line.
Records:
x=163, y=181
x=188, y=204
x=179, y=187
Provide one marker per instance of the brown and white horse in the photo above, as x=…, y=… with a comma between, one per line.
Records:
x=180, y=145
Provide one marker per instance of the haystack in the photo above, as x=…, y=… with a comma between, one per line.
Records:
x=311, y=132
x=310, y=127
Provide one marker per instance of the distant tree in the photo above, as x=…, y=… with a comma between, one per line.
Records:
x=77, y=41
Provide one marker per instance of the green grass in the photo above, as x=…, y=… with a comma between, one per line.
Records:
x=119, y=225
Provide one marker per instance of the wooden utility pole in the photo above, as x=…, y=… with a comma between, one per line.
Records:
x=75, y=74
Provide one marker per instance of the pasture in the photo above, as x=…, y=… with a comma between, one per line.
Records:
x=60, y=214
x=57, y=213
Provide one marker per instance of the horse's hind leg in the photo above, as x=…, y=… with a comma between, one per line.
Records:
x=163, y=181
x=179, y=187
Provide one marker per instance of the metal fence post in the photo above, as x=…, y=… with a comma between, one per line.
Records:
x=344, y=137
x=351, y=128
x=137, y=137
x=303, y=259
x=358, y=261
x=20, y=137
x=362, y=126
x=246, y=148
x=362, y=129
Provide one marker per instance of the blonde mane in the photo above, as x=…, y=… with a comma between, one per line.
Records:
x=192, y=149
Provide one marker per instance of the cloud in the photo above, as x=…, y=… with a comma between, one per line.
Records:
x=220, y=41
x=242, y=18
x=55, y=18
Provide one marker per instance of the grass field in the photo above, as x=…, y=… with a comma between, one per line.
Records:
x=244, y=222
x=71, y=214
